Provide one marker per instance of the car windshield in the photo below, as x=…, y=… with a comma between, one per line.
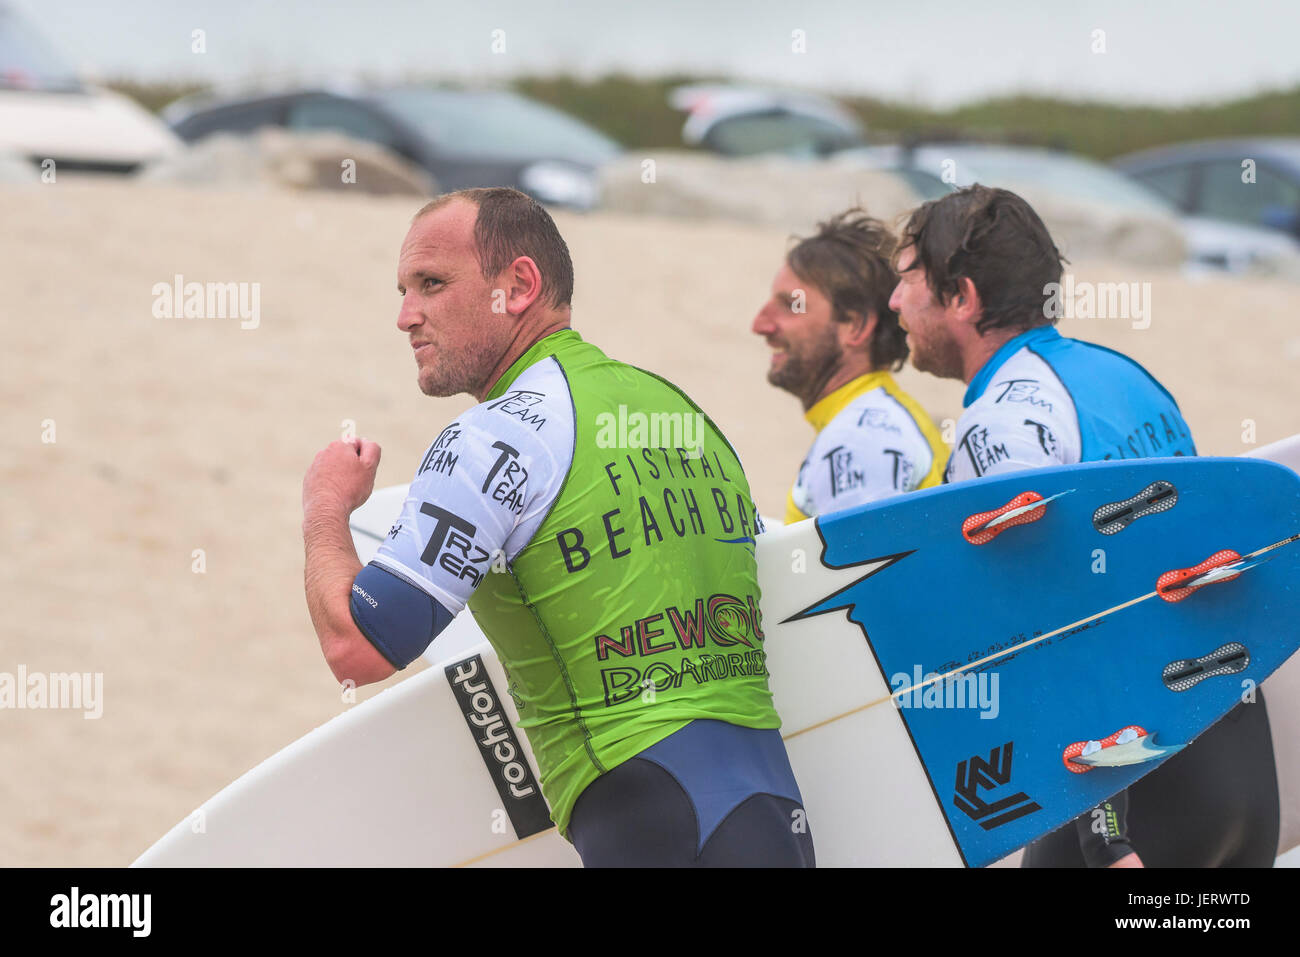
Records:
x=497, y=126
x=1060, y=173
x=27, y=61
x=794, y=134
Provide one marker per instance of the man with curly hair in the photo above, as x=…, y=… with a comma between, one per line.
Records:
x=834, y=340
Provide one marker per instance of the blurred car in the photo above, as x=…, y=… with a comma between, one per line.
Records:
x=1205, y=180
x=48, y=112
x=463, y=139
x=749, y=121
x=935, y=169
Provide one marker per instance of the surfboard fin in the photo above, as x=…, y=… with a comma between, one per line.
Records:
x=1129, y=745
x=1223, y=566
x=1024, y=508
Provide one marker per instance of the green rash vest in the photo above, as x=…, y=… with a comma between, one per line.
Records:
x=601, y=530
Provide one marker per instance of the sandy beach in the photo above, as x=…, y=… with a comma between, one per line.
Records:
x=156, y=538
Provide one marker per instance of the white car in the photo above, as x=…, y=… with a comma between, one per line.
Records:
x=749, y=121
x=48, y=113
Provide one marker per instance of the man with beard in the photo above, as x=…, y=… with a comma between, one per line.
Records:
x=834, y=339
x=588, y=564
x=973, y=296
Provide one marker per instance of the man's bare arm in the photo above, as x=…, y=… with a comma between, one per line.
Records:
x=339, y=480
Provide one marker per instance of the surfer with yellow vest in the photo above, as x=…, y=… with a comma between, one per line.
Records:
x=613, y=571
x=835, y=339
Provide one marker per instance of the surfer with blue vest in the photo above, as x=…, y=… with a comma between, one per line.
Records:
x=978, y=275
x=612, y=568
x=834, y=342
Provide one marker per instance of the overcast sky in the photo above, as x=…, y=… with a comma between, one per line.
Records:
x=938, y=52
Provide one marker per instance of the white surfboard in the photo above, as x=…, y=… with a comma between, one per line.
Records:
x=401, y=779
x=384, y=766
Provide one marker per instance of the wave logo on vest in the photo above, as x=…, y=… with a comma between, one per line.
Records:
x=728, y=622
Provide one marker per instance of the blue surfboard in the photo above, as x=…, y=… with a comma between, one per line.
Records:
x=1059, y=611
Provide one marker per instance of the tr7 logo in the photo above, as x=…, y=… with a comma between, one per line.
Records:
x=1023, y=390
x=844, y=478
x=461, y=553
x=1046, y=440
x=510, y=490
x=983, y=453
x=975, y=773
x=904, y=470
x=522, y=403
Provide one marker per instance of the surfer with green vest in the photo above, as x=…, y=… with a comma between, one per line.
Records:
x=601, y=530
x=978, y=272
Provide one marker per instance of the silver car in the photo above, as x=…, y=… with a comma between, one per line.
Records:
x=934, y=169
x=1253, y=182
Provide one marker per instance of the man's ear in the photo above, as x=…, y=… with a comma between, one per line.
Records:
x=523, y=285
x=966, y=302
x=858, y=328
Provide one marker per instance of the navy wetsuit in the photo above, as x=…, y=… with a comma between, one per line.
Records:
x=711, y=795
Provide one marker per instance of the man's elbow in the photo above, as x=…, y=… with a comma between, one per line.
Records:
x=353, y=658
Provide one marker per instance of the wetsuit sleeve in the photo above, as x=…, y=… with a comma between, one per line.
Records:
x=481, y=491
x=1103, y=832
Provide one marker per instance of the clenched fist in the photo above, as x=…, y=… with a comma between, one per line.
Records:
x=341, y=477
